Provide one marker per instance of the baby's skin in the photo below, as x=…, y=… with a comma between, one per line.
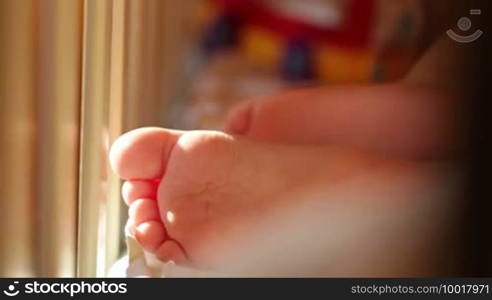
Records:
x=191, y=194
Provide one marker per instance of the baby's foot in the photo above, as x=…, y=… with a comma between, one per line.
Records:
x=201, y=197
x=191, y=193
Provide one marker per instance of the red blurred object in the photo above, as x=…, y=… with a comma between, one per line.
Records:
x=353, y=33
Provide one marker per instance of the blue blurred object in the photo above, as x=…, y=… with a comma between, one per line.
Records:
x=221, y=34
x=297, y=62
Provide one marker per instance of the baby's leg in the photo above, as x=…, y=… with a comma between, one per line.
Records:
x=216, y=191
x=422, y=116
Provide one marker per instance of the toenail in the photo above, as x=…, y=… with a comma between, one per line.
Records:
x=241, y=120
x=170, y=250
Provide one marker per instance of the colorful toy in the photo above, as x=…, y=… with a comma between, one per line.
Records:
x=296, y=39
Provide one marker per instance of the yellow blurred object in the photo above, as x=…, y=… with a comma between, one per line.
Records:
x=261, y=46
x=336, y=65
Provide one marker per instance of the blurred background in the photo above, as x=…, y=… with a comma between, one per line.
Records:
x=75, y=74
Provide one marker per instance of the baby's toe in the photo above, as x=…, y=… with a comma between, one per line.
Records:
x=149, y=230
x=138, y=189
x=239, y=119
x=170, y=250
x=142, y=210
x=142, y=153
x=151, y=235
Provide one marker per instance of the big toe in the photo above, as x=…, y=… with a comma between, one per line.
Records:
x=239, y=119
x=142, y=153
